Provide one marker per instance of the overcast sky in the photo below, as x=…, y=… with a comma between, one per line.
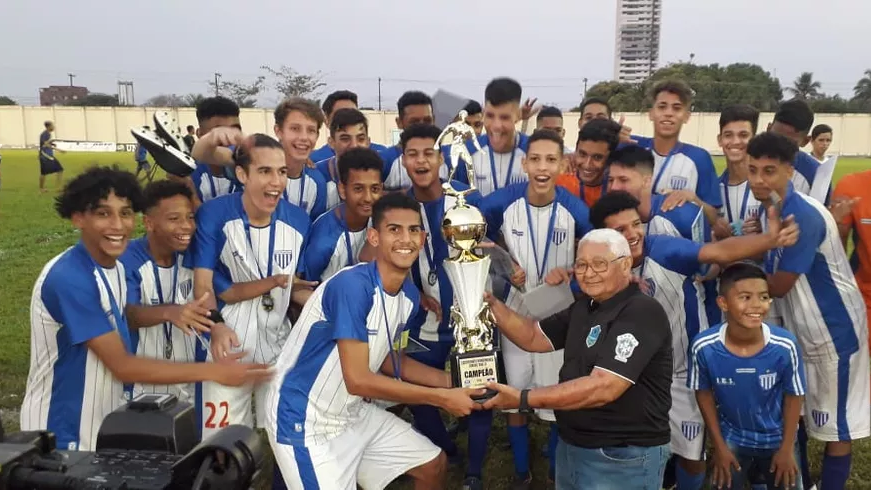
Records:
x=171, y=46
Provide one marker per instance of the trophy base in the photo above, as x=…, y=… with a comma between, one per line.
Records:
x=476, y=369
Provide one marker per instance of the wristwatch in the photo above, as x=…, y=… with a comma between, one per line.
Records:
x=215, y=316
x=524, y=407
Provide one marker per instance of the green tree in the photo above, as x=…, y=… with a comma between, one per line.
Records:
x=829, y=104
x=244, y=94
x=290, y=83
x=4, y=100
x=861, y=100
x=95, y=100
x=805, y=87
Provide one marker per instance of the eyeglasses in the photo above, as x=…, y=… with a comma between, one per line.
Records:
x=597, y=265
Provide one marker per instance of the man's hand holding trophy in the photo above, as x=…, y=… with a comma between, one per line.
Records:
x=475, y=360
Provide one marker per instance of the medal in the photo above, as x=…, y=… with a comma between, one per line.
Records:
x=432, y=278
x=167, y=350
x=267, y=302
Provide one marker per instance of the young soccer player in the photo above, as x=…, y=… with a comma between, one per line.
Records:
x=497, y=165
x=539, y=224
x=340, y=99
x=423, y=164
x=48, y=163
x=160, y=307
x=593, y=108
x=749, y=383
x=679, y=166
x=475, y=116
x=821, y=140
x=140, y=155
x=666, y=267
x=297, y=123
x=414, y=108
x=338, y=236
x=80, y=350
x=551, y=118
x=793, y=120
x=740, y=209
x=209, y=180
x=345, y=350
x=348, y=129
x=596, y=140
x=823, y=307
x=245, y=254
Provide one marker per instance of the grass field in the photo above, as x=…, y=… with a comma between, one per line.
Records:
x=31, y=233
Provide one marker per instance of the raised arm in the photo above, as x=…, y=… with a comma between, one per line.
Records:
x=522, y=331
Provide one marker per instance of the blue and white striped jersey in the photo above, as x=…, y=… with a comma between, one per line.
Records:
x=394, y=175
x=175, y=287
x=431, y=259
x=308, y=402
x=739, y=204
x=210, y=186
x=805, y=174
x=668, y=270
x=222, y=244
x=308, y=191
x=687, y=221
x=328, y=170
x=69, y=390
x=824, y=309
x=539, y=238
x=686, y=167
x=493, y=171
x=326, y=249
x=748, y=390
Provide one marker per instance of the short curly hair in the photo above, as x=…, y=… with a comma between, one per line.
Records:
x=85, y=192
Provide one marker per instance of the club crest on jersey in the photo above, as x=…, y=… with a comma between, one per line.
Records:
x=283, y=258
x=753, y=211
x=767, y=380
x=186, y=287
x=690, y=430
x=559, y=235
x=626, y=344
x=677, y=182
x=820, y=417
x=593, y=336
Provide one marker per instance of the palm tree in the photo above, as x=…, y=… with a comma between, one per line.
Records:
x=805, y=87
x=862, y=90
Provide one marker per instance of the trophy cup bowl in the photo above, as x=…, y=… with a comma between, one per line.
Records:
x=474, y=361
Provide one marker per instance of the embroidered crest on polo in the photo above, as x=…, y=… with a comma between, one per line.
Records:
x=626, y=344
x=593, y=336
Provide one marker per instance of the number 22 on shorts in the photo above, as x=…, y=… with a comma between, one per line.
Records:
x=224, y=409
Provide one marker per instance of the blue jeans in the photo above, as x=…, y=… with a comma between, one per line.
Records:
x=760, y=461
x=607, y=468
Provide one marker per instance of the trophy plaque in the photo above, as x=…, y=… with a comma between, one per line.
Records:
x=474, y=360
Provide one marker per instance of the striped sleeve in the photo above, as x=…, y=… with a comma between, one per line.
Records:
x=698, y=376
x=793, y=376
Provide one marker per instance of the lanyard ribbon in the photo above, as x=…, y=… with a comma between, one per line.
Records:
x=541, y=269
x=167, y=327
x=725, y=180
x=394, y=353
x=493, y=173
x=347, y=232
x=247, y=224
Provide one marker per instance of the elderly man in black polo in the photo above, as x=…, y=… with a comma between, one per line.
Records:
x=613, y=397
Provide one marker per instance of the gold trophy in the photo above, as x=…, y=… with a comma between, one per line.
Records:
x=475, y=360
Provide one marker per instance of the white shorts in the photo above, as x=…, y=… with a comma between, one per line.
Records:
x=838, y=400
x=685, y=420
x=221, y=406
x=372, y=453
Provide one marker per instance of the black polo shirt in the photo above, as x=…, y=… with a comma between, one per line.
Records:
x=628, y=335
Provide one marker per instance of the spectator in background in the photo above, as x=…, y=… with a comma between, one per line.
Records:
x=593, y=108
x=140, y=154
x=821, y=139
x=190, y=138
x=48, y=164
x=475, y=116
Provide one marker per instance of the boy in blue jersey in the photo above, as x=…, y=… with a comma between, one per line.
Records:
x=160, y=307
x=338, y=236
x=749, y=383
x=340, y=99
x=822, y=306
x=345, y=351
x=539, y=224
x=349, y=129
x=297, y=124
x=422, y=164
x=48, y=163
x=679, y=166
x=414, y=108
x=740, y=209
x=140, y=155
x=666, y=267
x=497, y=165
x=245, y=255
x=209, y=181
x=80, y=351
x=793, y=120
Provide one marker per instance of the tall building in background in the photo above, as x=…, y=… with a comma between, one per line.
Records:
x=637, y=49
x=61, y=94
